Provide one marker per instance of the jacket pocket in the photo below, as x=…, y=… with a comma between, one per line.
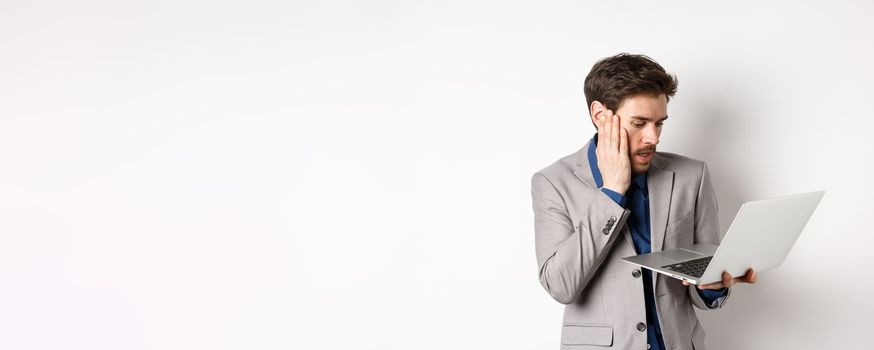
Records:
x=587, y=334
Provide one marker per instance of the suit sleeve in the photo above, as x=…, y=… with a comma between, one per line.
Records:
x=706, y=231
x=568, y=253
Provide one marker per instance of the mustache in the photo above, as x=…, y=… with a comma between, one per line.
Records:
x=650, y=149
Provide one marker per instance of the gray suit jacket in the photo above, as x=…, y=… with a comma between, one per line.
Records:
x=581, y=266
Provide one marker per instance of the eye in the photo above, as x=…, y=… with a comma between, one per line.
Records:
x=659, y=124
x=638, y=125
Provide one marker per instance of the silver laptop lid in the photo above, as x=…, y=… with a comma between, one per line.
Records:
x=762, y=234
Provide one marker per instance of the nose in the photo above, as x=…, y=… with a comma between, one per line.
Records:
x=651, y=135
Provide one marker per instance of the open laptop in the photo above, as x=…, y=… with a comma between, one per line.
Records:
x=760, y=237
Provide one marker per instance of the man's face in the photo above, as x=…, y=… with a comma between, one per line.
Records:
x=643, y=117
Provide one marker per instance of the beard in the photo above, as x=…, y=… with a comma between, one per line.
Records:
x=637, y=166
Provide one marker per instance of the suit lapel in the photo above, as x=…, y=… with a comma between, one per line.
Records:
x=660, y=182
x=583, y=170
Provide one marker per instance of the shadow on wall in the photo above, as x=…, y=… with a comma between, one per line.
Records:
x=714, y=133
x=753, y=310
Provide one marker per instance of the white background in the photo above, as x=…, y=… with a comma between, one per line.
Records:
x=356, y=175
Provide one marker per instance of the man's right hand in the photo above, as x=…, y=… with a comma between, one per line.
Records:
x=612, y=153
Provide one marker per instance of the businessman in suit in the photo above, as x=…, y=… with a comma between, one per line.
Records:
x=616, y=197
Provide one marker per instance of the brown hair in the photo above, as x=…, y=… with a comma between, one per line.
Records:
x=612, y=79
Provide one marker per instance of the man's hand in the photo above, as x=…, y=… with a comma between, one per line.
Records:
x=728, y=281
x=612, y=153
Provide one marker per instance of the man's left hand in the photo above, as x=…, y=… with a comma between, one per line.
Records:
x=728, y=281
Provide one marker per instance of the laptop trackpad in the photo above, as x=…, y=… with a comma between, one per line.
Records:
x=680, y=254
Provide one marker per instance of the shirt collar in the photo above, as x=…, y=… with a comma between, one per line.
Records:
x=639, y=179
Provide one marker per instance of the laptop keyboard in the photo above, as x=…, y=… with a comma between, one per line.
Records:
x=694, y=268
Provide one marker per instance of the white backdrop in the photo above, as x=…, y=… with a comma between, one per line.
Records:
x=321, y=175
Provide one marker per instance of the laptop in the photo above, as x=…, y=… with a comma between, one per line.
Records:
x=760, y=237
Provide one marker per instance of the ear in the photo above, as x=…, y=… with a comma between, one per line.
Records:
x=595, y=110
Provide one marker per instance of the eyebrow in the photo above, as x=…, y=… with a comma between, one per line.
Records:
x=647, y=119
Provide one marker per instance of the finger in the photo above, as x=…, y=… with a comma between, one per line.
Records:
x=714, y=285
x=751, y=276
x=600, y=133
x=608, y=131
x=615, y=132
x=623, y=142
x=600, y=121
x=727, y=281
x=686, y=283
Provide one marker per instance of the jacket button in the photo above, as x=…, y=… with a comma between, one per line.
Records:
x=606, y=231
x=612, y=218
x=636, y=273
x=641, y=326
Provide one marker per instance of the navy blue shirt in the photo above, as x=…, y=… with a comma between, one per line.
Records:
x=636, y=199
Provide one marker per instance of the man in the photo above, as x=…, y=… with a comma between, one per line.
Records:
x=618, y=197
